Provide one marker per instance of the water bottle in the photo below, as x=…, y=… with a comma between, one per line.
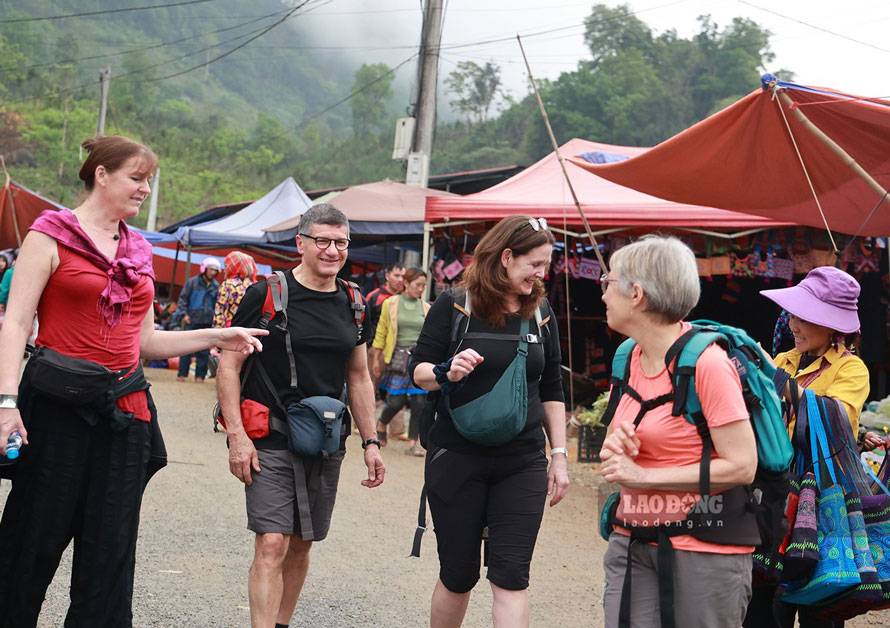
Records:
x=13, y=444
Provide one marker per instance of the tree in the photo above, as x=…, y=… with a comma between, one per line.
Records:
x=476, y=88
x=611, y=31
x=369, y=105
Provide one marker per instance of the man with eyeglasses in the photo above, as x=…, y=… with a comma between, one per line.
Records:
x=327, y=351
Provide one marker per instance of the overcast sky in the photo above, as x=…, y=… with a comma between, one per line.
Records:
x=843, y=45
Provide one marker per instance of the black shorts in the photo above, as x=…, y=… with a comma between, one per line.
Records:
x=468, y=492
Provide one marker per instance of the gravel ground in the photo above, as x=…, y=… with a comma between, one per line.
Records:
x=194, y=550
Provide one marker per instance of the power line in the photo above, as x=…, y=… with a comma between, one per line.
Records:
x=813, y=26
x=260, y=31
x=144, y=48
x=87, y=13
x=236, y=48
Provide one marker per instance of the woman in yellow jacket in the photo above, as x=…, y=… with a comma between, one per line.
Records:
x=824, y=320
x=401, y=319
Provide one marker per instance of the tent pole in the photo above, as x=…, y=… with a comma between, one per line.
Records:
x=425, y=257
x=843, y=155
x=188, y=260
x=173, y=275
x=562, y=165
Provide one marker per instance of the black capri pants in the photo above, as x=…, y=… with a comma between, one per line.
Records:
x=468, y=492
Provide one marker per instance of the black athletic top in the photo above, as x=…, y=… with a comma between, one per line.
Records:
x=542, y=368
x=323, y=336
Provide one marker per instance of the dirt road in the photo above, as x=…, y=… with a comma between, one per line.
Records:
x=194, y=550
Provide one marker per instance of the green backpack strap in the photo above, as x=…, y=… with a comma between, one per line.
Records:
x=619, y=378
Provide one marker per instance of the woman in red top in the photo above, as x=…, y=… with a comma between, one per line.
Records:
x=83, y=468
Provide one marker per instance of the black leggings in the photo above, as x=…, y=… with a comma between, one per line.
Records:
x=467, y=493
x=79, y=482
x=394, y=403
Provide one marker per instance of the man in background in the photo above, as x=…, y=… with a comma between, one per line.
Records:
x=196, y=302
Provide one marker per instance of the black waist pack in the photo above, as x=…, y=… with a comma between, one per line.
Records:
x=72, y=381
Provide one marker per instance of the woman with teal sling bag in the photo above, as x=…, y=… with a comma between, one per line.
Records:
x=492, y=347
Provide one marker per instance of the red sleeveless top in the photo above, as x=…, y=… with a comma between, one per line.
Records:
x=71, y=323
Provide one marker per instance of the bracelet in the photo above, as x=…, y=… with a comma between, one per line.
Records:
x=559, y=450
x=8, y=401
x=370, y=441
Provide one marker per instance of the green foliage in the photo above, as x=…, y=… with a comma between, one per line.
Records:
x=594, y=415
x=374, y=86
x=475, y=87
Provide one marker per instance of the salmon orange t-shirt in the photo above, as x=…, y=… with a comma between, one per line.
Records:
x=670, y=441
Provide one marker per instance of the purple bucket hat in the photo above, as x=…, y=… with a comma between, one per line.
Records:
x=827, y=296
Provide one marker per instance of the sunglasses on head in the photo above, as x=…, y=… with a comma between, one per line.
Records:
x=538, y=224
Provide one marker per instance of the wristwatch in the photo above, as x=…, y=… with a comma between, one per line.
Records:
x=559, y=450
x=370, y=441
x=8, y=401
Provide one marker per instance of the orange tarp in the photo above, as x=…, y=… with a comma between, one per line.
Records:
x=743, y=159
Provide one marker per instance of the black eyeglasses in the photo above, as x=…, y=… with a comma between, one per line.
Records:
x=538, y=224
x=341, y=244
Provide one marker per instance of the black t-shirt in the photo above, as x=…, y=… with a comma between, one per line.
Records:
x=323, y=336
x=542, y=368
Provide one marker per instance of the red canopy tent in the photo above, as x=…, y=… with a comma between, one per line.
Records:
x=540, y=190
x=773, y=153
x=19, y=207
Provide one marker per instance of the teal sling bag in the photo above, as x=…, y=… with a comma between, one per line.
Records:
x=499, y=415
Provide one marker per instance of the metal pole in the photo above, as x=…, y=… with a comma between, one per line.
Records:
x=152, y=222
x=104, y=78
x=425, y=259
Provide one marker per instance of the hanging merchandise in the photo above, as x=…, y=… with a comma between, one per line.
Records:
x=743, y=266
x=584, y=268
x=784, y=269
x=704, y=266
x=820, y=257
x=453, y=269
x=721, y=265
x=866, y=260
x=803, y=263
x=765, y=265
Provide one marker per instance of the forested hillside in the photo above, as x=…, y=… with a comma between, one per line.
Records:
x=234, y=96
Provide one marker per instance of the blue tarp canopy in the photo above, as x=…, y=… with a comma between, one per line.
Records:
x=246, y=226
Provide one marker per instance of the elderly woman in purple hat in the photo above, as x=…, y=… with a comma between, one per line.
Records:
x=824, y=320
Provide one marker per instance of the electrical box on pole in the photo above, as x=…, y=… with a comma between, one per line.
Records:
x=404, y=137
x=418, y=170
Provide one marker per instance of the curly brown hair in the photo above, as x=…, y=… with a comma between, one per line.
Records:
x=486, y=278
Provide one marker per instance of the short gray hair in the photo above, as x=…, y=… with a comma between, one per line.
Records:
x=322, y=214
x=666, y=270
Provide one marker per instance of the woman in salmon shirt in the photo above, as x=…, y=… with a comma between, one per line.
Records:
x=83, y=468
x=655, y=457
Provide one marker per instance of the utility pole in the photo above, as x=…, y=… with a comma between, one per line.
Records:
x=104, y=77
x=427, y=79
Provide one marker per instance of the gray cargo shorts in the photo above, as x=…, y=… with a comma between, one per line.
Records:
x=272, y=496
